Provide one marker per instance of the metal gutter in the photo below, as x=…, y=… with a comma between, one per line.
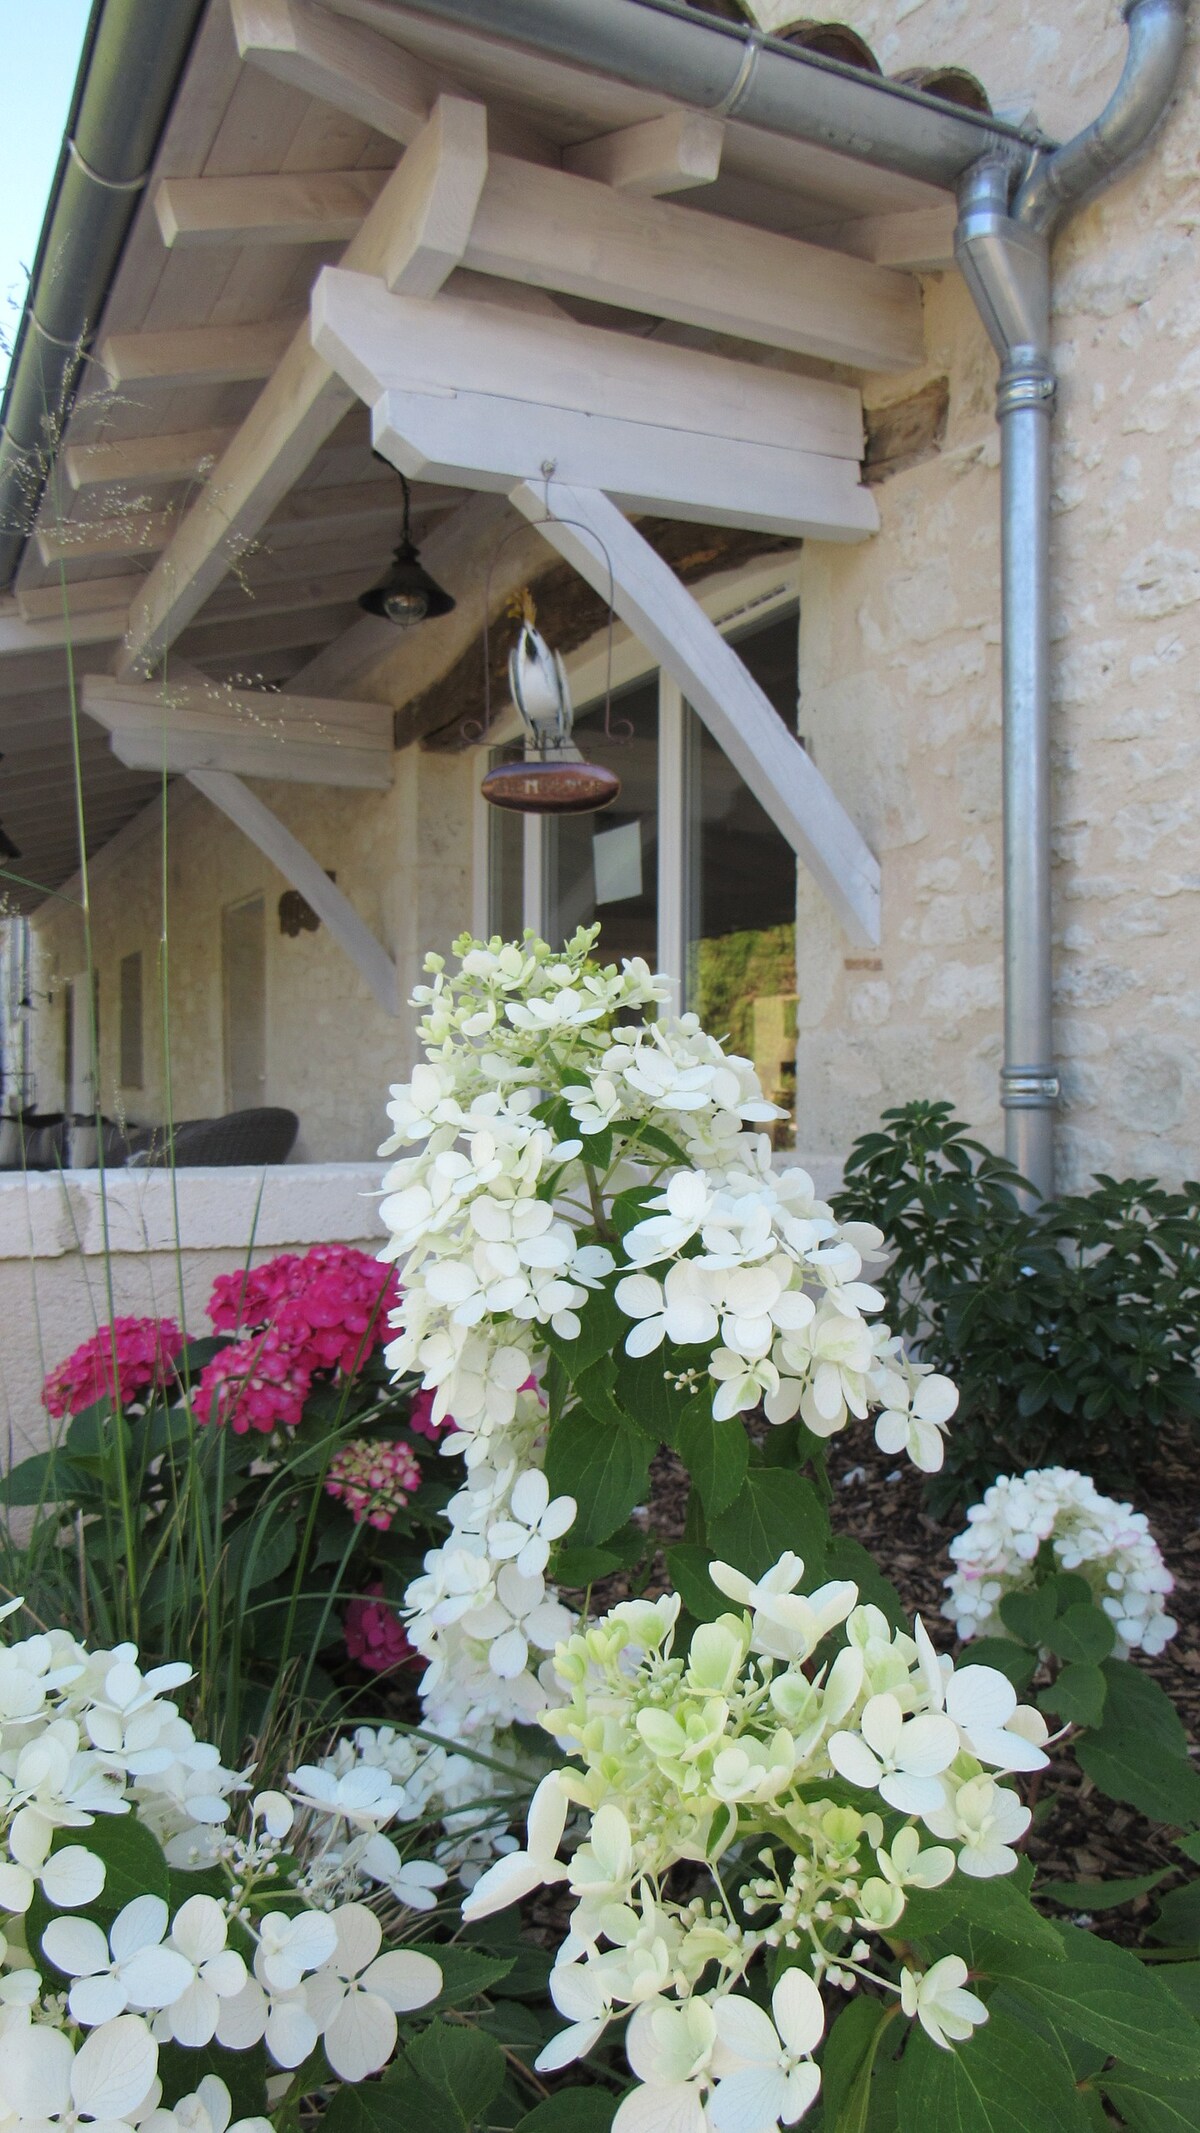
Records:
x=133, y=57
x=1004, y=253
x=731, y=69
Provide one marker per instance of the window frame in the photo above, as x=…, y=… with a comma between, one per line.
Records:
x=754, y=594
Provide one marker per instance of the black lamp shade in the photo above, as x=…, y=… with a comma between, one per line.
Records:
x=408, y=594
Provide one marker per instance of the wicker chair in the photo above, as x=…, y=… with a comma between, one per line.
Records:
x=253, y=1138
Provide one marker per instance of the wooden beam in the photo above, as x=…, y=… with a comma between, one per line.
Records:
x=183, y=456
x=86, y=596
x=124, y=533
x=661, y=155
x=183, y=726
x=298, y=207
x=51, y=632
x=356, y=70
x=360, y=73
x=412, y=238
x=665, y=429
x=298, y=866
x=664, y=617
x=919, y=239
x=568, y=233
x=196, y=355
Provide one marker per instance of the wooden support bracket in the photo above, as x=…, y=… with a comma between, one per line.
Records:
x=297, y=865
x=664, y=617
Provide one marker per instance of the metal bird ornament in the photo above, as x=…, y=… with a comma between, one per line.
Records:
x=538, y=681
x=565, y=785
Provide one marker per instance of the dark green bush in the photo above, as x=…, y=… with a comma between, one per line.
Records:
x=1071, y=1326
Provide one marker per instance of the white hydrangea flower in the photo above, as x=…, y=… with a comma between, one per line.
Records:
x=1060, y=1512
x=357, y=1993
x=128, y=1967
x=764, y=2062
x=938, y=1999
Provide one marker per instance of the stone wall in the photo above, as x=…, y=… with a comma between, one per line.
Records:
x=900, y=658
x=403, y=859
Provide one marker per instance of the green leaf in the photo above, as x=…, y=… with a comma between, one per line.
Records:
x=580, y=1567
x=46, y=1478
x=594, y=1388
x=716, y=1455
x=1178, y=1921
x=572, y=2111
x=462, y=2069
x=243, y=2072
x=1149, y=2104
x=1008, y=1658
x=1078, y=2057
x=1104, y=1994
x=688, y=1564
x=1190, y=1847
x=466, y=1972
x=646, y=1389
x=970, y=1918
x=1077, y=1694
x=134, y=1863
x=605, y=1469
x=848, y=2060
x=772, y=1512
x=1138, y=1754
x=1029, y=1615
x=1182, y=1981
x=259, y=1553
x=1082, y=1634
x=1100, y=1895
x=1004, y=2079
x=382, y=2106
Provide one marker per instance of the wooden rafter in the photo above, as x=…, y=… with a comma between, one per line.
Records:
x=671, y=154
x=196, y=355
x=413, y=237
x=298, y=207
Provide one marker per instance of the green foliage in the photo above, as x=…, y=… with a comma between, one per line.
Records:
x=1005, y=2081
x=1072, y=1329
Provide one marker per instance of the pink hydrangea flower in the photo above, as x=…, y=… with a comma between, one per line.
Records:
x=374, y=1479
x=420, y=1417
x=255, y=1384
x=331, y=1306
x=145, y=1351
x=376, y=1637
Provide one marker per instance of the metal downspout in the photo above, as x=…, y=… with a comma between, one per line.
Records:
x=1003, y=251
x=133, y=56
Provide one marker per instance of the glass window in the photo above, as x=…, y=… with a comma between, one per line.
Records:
x=741, y=888
x=605, y=866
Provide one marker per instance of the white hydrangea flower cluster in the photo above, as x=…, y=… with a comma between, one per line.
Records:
x=1054, y=1517
x=714, y=1762
x=550, y=1087
x=86, y=2002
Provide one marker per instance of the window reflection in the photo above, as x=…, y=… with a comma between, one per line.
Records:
x=605, y=866
x=741, y=975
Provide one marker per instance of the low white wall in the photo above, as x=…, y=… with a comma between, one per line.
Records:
x=151, y=1245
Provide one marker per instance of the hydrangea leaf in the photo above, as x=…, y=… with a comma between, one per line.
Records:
x=771, y=1513
x=1178, y=1921
x=688, y=1565
x=605, y=1470
x=466, y=1972
x=1077, y=1695
x=1029, y=1615
x=1100, y=1895
x=716, y=1455
x=1084, y=1634
x=974, y=1917
x=1138, y=1754
x=460, y=2071
x=1150, y=2105
x=847, y=2063
x=572, y=2111
x=1010, y=1659
x=1104, y=1994
x=1004, y=2080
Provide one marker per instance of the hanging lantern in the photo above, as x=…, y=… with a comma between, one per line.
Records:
x=408, y=594
x=553, y=778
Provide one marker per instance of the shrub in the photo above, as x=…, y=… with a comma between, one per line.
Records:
x=1071, y=1327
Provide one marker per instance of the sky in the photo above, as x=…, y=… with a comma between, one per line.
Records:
x=39, y=53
